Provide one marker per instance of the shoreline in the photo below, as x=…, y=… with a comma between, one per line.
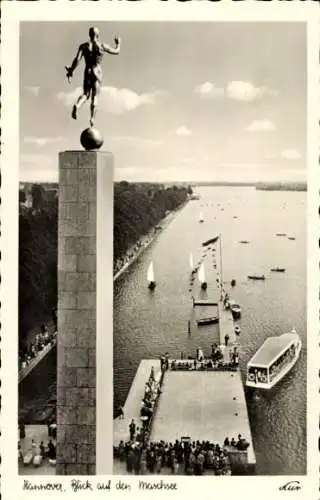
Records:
x=149, y=238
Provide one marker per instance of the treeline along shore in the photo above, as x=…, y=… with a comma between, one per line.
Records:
x=282, y=186
x=138, y=209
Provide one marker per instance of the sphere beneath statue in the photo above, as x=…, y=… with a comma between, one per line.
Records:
x=91, y=139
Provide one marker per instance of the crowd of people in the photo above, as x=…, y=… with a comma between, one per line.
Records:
x=181, y=457
x=129, y=255
x=221, y=358
x=41, y=340
x=34, y=453
x=278, y=365
x=151, y=394
x=148, y=405
x=37, y=453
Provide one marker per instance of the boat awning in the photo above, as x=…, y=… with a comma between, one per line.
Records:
x=271, y=349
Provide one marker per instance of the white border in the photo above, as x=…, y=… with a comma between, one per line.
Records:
x=12, y=12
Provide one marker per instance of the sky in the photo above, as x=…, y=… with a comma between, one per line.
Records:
x=183, y=101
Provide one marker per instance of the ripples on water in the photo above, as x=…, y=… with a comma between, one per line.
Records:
x=147, y=324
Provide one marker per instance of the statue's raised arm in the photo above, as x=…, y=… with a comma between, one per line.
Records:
x=112, y=50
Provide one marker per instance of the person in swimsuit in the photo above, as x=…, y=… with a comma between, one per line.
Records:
x=92, y=52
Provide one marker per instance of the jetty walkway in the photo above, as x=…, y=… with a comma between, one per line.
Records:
x=226, y=325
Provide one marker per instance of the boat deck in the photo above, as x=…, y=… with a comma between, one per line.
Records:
x=202, y=405
x=132, y=405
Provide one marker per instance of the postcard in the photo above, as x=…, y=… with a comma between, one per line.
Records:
x=159, y=243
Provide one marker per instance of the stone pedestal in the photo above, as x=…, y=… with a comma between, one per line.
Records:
x=85, y=233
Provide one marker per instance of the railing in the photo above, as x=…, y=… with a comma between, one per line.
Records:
x=206, y=365
x=155, y=406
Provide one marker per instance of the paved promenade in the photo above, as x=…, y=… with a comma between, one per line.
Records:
x=132, y=405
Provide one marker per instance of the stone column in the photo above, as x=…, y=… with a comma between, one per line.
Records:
x=86, y=179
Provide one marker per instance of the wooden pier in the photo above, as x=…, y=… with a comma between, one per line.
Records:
x=226, y=325
x=201, y=405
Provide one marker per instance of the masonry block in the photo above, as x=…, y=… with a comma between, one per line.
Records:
x=80, y=234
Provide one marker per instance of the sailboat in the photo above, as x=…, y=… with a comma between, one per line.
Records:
x=201, y=277
x=191, y=263
x=150, y=277
x=201, y=219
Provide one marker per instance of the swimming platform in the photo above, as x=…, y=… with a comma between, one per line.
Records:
x=198, y=404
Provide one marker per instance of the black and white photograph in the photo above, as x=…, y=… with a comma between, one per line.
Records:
x=210, y=352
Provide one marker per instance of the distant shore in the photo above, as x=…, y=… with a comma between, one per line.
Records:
x=145, y=241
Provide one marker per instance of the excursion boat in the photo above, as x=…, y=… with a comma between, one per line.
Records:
x=273, y=360
x=281, y=234
x=208, y=321
x=235, y=309
x=278, y=269
x=244, y=242
x=291, y=238
x=256, y=277
x=150, y=277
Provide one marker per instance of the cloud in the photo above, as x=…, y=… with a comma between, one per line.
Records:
x=112, y=99
x=41, y=141
x=261, y=126
x=136, y=141
x=291, y=154
x=208, y=90
x=33, y=90
x=183, y=131
x=38, y=167
x=246, y=91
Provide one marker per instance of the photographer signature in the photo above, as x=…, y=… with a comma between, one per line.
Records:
x=291, y=486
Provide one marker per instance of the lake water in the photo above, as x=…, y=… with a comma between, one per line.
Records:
x=149, y=324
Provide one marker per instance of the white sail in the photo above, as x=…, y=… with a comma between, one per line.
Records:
x=150, y=275
x=201, y=273
x=191, y=262
x=201, y=219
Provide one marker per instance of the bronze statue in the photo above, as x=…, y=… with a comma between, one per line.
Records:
x=92, y=51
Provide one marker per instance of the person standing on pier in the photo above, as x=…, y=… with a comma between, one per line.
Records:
x=132, y=429
x=226, y=339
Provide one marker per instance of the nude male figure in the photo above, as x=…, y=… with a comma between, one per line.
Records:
x=92, y=51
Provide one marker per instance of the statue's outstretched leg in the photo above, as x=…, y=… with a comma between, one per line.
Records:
x=94, y=102
x=82, y=99
x=93, y=110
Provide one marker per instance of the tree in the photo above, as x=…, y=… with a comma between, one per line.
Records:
x=37, y=192
x=22, y=196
